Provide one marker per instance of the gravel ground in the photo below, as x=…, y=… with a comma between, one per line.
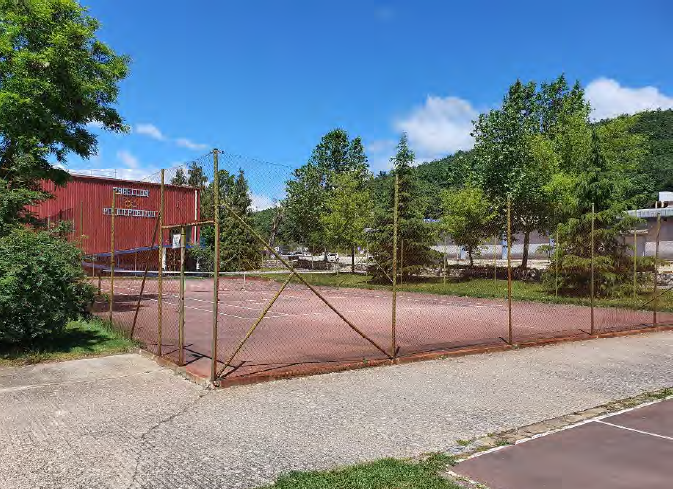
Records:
x=123, y=422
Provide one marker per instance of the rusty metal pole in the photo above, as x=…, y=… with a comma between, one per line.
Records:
x=510, y=331
x=401, y=260
x=495, y=258
x=181, y=317
x=160, y=290
x=635, y=263
x=216, y=264
x=558, y=259
x=446, y=256
x=393, y=338
x=112, y=255
x=592, y=284
x=656, y=268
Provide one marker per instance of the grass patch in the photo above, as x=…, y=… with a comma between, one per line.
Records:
x=79, y=339
x=487, y=289
x=382, y=474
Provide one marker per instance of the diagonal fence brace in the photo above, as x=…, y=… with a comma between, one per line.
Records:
x=254, y=326
x=303, y=280
x=142, y=286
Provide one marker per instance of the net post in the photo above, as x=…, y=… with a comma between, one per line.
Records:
x=393, y=342
x=160, y=289
x=216, y=263
x=592, y=284
x=181, y=317
x=656, y=267
x=112, y=255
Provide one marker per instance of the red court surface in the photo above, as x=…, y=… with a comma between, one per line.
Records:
x=632, y=450
x=300, y=333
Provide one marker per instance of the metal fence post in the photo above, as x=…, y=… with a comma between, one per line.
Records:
x=495, y=258
x=635, y=263
x=401, y=260
x=510, y=333
x=393, y=343
x=216, y=263
x=446, y=257
x=181, y=317
x=557, y=259
x=656, y=268
x=160, y=290
x=112, y=255
x=592, y=284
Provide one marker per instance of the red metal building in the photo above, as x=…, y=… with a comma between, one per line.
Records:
x=87, y=202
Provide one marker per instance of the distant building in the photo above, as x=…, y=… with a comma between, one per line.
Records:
x=647, y=236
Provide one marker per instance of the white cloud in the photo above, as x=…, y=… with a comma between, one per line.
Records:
x=261, y=202
x=149, y=130
x=94, y=125
x=439, y=127
x=379, y=153
x=127, y=159
x=609, y=98
x=137, y=174
x=186, y=143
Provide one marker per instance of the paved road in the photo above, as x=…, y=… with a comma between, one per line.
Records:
x=622, y=451
x=122, y=421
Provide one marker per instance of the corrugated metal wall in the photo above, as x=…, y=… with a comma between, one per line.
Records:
x=86, y=201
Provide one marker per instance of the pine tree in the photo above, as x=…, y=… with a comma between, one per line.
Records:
x=414, y=236
x=239, y=249
x=179, y=178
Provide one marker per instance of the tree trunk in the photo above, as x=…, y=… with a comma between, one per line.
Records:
x=526, y=244
x=469, y=254
x=353, y=260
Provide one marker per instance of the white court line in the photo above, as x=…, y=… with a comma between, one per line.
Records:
x=568, y=427
x=634, y=430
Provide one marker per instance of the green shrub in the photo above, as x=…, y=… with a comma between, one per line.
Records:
x=42, y=286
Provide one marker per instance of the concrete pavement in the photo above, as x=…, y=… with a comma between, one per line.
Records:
x=122, y=421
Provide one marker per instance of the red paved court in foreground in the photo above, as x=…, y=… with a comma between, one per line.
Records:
x=300, y=332
x=632, y=450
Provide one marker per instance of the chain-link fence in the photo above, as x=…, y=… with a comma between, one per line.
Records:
x=209, y=267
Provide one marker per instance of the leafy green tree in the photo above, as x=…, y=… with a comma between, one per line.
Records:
x=467, y=218
x=656, y=166
x=348, y=214
x=508, y=139
x=414, y=236
x=56, y=79
x=308, y=190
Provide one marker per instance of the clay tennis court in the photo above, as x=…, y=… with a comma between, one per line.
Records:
x=300, y=334
x=622, y=451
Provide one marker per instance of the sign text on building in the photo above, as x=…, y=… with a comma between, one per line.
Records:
x=129, y=212
x=136, y=192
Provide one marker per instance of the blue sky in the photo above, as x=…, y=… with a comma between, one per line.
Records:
x=266, y=78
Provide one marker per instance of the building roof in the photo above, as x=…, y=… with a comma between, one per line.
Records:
x=651, y=213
